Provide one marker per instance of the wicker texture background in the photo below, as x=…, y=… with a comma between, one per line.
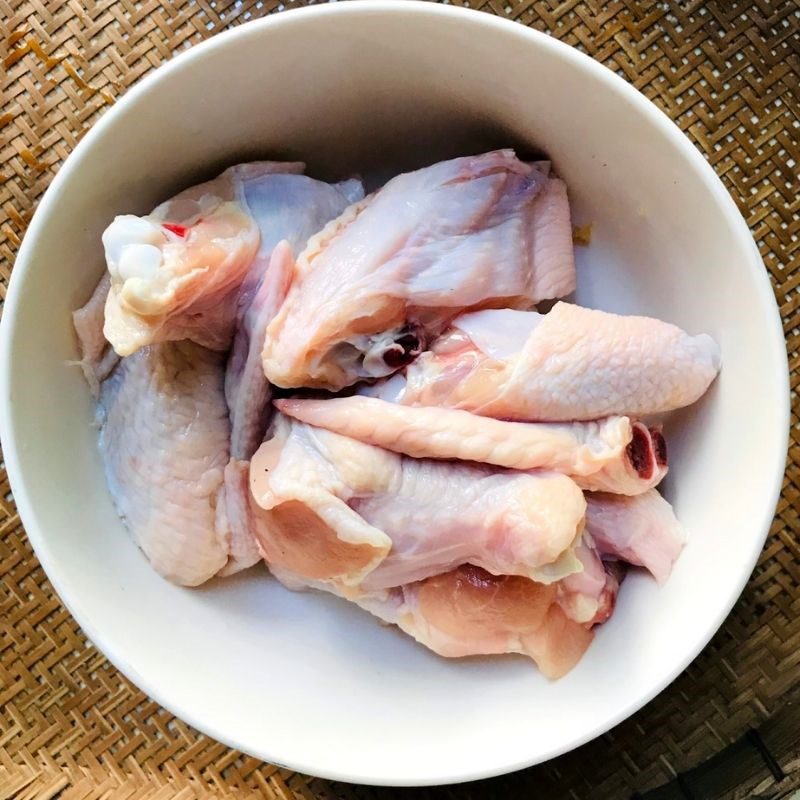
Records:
x=728, y=73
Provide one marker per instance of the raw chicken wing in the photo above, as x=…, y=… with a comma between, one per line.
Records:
x=363, y=517
x=176, y=272
x=639, y=530
x=613, y=455
x=468, y=611
x=570, y=364
x=165, y=444
x=288, y=210
x=393, y=270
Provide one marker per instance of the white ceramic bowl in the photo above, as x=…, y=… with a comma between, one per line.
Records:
x=305, y=680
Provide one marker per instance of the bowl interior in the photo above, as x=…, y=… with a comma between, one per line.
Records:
x=306, y=680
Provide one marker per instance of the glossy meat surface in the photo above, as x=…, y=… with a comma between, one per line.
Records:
x=394, y=269
x=570, y=364
x=639, y=530
x=165, y=440
x=613, y=455
x=176, y=272
x=288, y=209
x=360, y=516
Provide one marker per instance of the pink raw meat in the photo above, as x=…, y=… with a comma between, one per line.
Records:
x=613, y=455
x=164, y=441
x=394, y=269
x=639, y=530
x=288, y=209
x=570, y=364
x=363, y=518
x=176, y=272
x=468, y=611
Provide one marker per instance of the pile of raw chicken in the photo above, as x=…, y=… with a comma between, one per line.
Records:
x=358, y=391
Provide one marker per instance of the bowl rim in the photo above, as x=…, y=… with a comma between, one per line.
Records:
x=437, y=13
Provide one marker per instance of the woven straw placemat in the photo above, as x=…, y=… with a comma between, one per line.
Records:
x=727, y=72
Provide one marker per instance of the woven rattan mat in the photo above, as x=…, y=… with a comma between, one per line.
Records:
x=728, y=74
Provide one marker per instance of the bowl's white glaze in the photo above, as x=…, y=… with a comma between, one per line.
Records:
x=305, y=680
